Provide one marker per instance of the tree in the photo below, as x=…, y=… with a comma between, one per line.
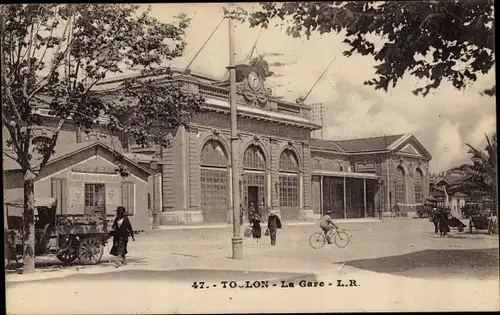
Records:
x=54, y=55
x=480, y=176
x=430, y=40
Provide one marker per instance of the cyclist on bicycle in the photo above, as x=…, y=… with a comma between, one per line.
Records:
x=326, y=224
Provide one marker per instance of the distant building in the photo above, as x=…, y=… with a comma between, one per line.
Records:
x=362, y=177
x=442, y=190
x=318, y=112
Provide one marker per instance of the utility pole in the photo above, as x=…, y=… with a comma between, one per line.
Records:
x=237, y=241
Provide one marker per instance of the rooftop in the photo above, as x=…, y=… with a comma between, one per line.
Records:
x=368, y=144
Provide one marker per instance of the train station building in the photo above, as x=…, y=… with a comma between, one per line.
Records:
x=281, y=166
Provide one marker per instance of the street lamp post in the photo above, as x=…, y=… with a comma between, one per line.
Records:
x=237, y=241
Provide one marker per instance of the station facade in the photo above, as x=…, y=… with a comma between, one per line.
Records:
x=281, y=166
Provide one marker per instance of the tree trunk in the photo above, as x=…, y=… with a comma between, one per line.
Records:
x=29, y=223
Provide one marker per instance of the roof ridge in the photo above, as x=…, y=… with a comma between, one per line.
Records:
x=363, y=138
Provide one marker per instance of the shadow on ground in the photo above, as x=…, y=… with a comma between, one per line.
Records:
x=479, y=264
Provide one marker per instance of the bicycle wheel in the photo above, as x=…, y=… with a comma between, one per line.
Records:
x=317, y=240
x=341, y=239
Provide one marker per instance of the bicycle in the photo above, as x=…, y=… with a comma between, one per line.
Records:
x=319, y=239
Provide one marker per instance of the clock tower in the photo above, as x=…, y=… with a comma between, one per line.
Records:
x=250, y=81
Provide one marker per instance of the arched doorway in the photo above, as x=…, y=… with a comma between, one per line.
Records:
x=289, y=185
x=418, y=184
x=214, y=182
x=254, y=179
x=399, y=186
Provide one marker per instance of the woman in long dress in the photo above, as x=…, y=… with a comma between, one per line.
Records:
x=444, y=228
x=122, y=229
x=256, y=230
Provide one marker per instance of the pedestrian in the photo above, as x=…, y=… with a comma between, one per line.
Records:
x=122, y=229
x=444, y=228
x=251, y=212
x=273, y=224
x=256, y=230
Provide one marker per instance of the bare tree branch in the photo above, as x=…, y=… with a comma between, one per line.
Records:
x=55, y=65
x=25, y=83
x=12, y=133
x=46, y=47
x=9, y=156
x=50, y=148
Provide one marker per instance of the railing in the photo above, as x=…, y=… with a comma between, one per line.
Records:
x=223, y=94
x=288, y=108
x=213, y=91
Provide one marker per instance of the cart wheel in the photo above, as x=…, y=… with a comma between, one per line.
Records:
x=90, y=250
x=69, y=255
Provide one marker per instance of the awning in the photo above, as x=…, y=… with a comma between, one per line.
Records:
x=345, y=174
x=16, y=208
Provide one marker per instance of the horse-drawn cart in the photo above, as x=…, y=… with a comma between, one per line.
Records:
x=67, y=236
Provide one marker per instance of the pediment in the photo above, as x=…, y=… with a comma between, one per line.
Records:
x=410, y=149
x=411, y=146
x=96, y=165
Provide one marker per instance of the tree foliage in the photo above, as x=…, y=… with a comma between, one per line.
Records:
x=481, y=175
x=430, y=40
x=54, y=56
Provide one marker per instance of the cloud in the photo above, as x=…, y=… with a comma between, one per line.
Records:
x=450, y=146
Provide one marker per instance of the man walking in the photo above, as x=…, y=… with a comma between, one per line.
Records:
x=273, y=224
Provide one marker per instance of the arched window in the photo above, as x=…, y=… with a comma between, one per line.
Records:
x=214, y=182
x=399, y=185
x=418, y=186
x=254, y=158
x=213, y=154
x=288, y=179
x=254, y=178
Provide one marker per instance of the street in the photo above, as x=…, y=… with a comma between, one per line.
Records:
x=380, y=255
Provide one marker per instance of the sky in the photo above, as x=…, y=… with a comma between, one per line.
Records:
x=443, y=121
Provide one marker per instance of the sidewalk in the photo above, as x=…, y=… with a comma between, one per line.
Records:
x=288, y=223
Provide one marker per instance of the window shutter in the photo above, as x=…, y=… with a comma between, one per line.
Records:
x=128, y=197
x=64, y=195
x=59, y=190
x=56, y=191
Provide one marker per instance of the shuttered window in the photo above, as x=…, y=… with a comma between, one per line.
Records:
x=59, y=191
x=128, y=197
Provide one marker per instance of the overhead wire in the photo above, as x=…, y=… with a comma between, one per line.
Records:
x=321, y=76
x=204, y=44
x=254, y=47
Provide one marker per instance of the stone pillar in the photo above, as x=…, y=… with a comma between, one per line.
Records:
x=176, y=183
x=321, y=196
x=345, y=198
x=364, y=195
x=307, y=212
x=301, y=190
x=274, y=175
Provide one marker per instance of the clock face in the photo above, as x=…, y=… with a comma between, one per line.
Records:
x=253, y=80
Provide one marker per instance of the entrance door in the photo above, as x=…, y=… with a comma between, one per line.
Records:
x=253, y=197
